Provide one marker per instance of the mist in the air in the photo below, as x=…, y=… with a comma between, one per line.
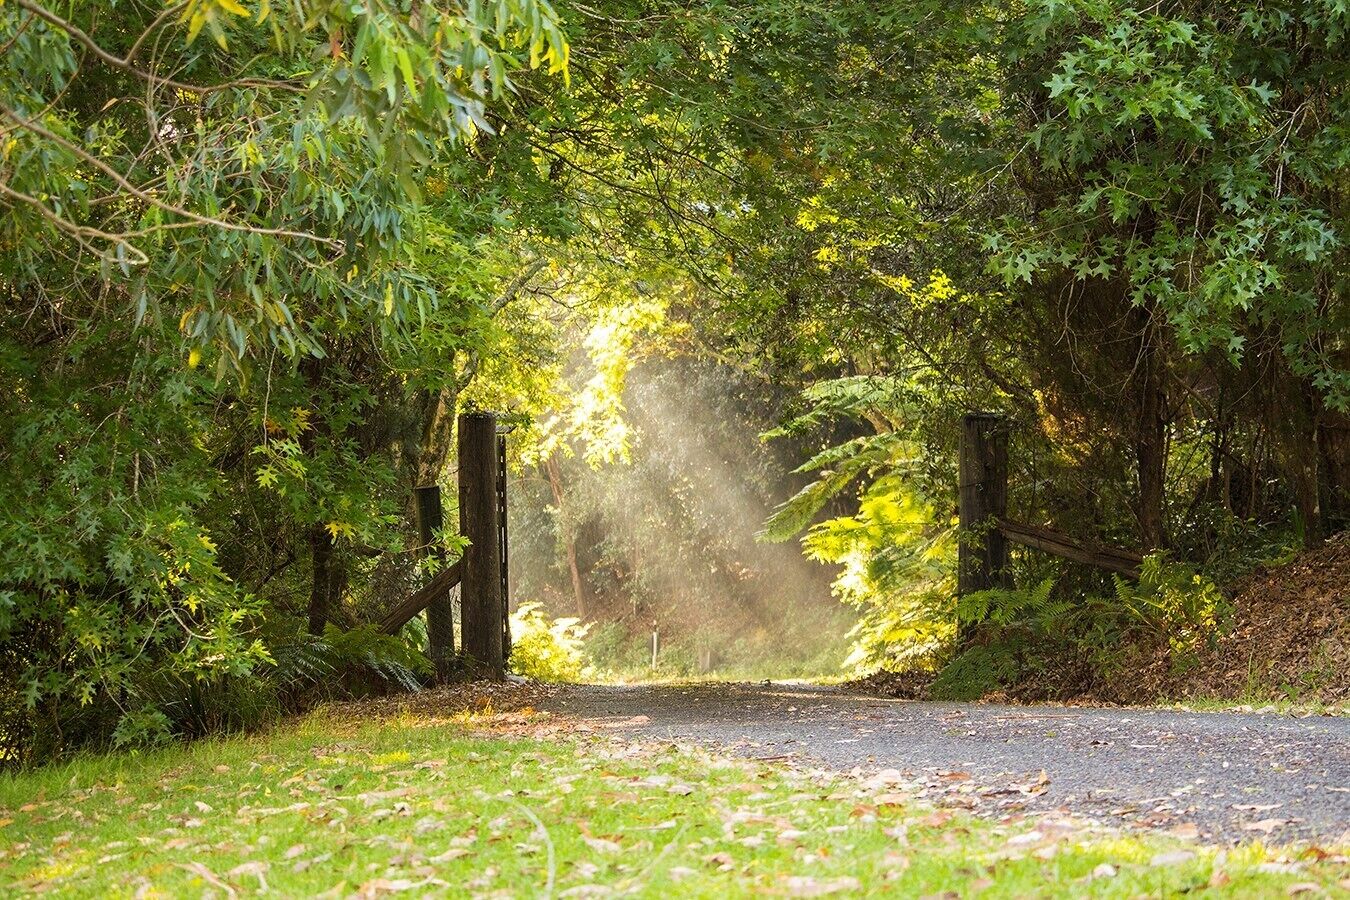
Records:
x=660, y=553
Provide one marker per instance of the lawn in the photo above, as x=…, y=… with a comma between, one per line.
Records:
x=363, y=801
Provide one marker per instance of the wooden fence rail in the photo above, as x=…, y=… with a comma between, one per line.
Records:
x=439, y=585
x=481, y=574
x=986, y=530
x=1123, y=562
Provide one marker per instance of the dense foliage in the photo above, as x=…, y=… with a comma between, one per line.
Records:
x=234, y=329
x=1119, y=224
x=254, y=256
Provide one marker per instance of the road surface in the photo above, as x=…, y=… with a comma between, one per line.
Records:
x=1215, y=776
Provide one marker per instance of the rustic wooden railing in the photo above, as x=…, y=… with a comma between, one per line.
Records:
x=1123, y=562
x=439, y=586
x=982, y=555
x=480, y=574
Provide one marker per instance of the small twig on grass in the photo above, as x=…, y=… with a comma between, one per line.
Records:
x=657, y=859
x=211, y=878
x=542, y=831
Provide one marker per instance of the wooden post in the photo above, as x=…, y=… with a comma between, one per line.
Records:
x=505, y=543
x=440, y=611
x=481, y=589
x=982, y=555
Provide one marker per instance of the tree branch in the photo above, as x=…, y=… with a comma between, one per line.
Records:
x=126, y=65
x=153, y=201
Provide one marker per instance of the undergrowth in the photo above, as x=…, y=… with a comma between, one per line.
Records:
x=1040, y=636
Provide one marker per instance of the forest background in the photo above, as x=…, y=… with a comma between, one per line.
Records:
x=255, y=256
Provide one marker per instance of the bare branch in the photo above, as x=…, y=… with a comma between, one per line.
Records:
x=126, y=65
x=152, y=200
x=79, y=232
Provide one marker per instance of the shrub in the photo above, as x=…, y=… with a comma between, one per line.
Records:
x=1027, y=633
x=544, y=650
x=1174, y=601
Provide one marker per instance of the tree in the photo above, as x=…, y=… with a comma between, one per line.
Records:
x=214, y=186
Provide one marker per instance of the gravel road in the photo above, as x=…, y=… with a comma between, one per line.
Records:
x=1216, y=776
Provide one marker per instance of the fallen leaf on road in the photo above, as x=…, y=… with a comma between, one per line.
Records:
x=1037, y=786
x=1265, y=826
x=884, y=778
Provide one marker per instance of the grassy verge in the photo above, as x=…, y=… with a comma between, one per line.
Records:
x=1258, y=705
x=433, y=805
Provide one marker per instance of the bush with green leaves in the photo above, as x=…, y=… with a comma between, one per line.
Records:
x=1029, y=631
x=547, y=650
x=1172, y=601
x=220, y=345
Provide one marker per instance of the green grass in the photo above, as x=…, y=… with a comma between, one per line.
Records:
x=434, y=807
x=1258, y=705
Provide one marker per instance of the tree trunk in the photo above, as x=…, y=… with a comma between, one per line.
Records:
x=1334, y=443
x=569, y=540
x=438, y=433
x=321, y=555
x=440, y=611
x=1151, y=441
x=1295, y=418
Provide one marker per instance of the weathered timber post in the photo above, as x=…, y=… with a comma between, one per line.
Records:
x=505, y=542
x=480, y=591
x=440, y=611
x=982, y=554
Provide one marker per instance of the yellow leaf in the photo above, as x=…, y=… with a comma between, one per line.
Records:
x=389, y=299
x=194, y=357
x=264, y=11
x=195, y=25
x=4, y=822
x=231, y=6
